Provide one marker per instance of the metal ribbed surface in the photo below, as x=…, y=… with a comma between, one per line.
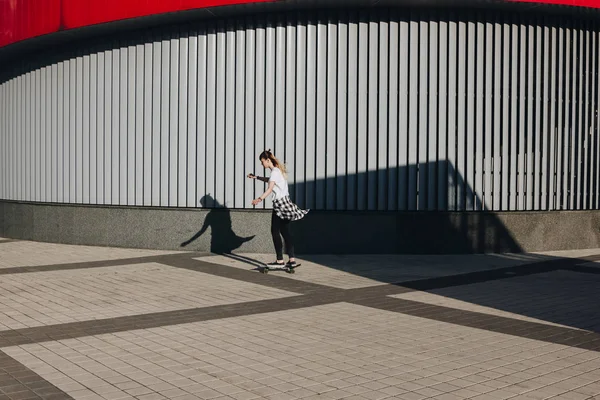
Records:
x=380, y=111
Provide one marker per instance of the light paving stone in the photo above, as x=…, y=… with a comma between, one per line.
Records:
x=28, y=254
x=356, y=271
x=555, y=301
x=200, y=351
x=53, y=297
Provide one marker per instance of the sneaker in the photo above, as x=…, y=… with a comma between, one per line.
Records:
x=291, y=264
x=276, y=264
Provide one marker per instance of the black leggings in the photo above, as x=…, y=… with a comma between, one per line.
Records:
x=281, y=227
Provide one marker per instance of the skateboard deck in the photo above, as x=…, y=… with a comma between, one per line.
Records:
x=290, y=270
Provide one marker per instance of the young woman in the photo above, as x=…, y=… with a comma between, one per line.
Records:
x=284, y=211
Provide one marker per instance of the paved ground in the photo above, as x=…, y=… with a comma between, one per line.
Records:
x=81, y=322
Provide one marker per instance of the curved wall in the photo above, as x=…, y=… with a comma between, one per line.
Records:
x=144, y=139
x=385, y=110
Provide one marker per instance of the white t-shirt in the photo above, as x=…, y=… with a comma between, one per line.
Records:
x=280, y=190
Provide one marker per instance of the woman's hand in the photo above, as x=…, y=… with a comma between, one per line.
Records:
x=256, y=201
x=251, y=176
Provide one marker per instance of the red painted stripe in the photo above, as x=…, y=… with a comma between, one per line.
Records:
x=24, y=19
x=573, y=3
x=77, y=13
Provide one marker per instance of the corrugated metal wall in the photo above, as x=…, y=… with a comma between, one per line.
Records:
x=371, y=110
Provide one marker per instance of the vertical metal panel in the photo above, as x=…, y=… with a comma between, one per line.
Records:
x=514, y=122
x=585, y=128
x=393, y=127
x=382, y=116
x=596, y=165
x=505, y=95
x=362, y=122
x=552, y=205
x=269, y=56
x=566, y=160
x=191, y=199
x=470, y=119
x=573, y=123
x=592, y=127
x=537, y=122
x=60, y=150
x=559, y=119
x=290, y=106
x=84, y=121
x=108, y=126
x=269, y=86
x=259, y=100
x=530, y=116
x=372, y=114
x=403, y=120
x=299, y=170
x=422, y=130
x=182, y=131
x=240, y=169
x=579, y=122
x=147, y=129
x=78, y=150
x=488, y=136
x=156, y=122
x=100, y=128
x=497, y=118
x=27, y=134
x=124, y=107
x=280, y=91
x=461, y=128
x=72, y=149
x=331, y=151
x=545, y=137
x=452, y=116
x=165, y=115
x=479, y=98
x=174, y=90
x=249, y=124
x=92, y=124
x=36, y=83
x=433, y=115
x=521, y=182
x=413, y=113
x=140, y=104
x=230, y=177
x=201, y=160
x=321, y=116
x=352, y=148
x=442, y=117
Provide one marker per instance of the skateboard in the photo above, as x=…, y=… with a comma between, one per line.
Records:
x=290, y=270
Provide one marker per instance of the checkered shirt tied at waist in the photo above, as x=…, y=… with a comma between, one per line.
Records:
x=286, y=209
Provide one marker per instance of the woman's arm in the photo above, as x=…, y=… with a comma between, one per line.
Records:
x=265, y=194
x=260, y=178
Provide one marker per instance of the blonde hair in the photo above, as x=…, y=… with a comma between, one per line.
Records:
x=267, y=155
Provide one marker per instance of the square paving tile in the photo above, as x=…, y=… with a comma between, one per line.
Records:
x=54, y=297
x=332, y=351
x=560, y=298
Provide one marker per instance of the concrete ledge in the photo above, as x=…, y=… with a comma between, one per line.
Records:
x=332, y=232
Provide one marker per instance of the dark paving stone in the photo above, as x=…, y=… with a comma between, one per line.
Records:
x=18, y=382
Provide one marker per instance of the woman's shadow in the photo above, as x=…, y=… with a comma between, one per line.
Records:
x=223, y=239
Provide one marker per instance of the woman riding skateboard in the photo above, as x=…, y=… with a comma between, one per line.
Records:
x=284, y=210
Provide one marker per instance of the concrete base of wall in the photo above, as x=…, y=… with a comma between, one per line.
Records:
x=223, y=230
